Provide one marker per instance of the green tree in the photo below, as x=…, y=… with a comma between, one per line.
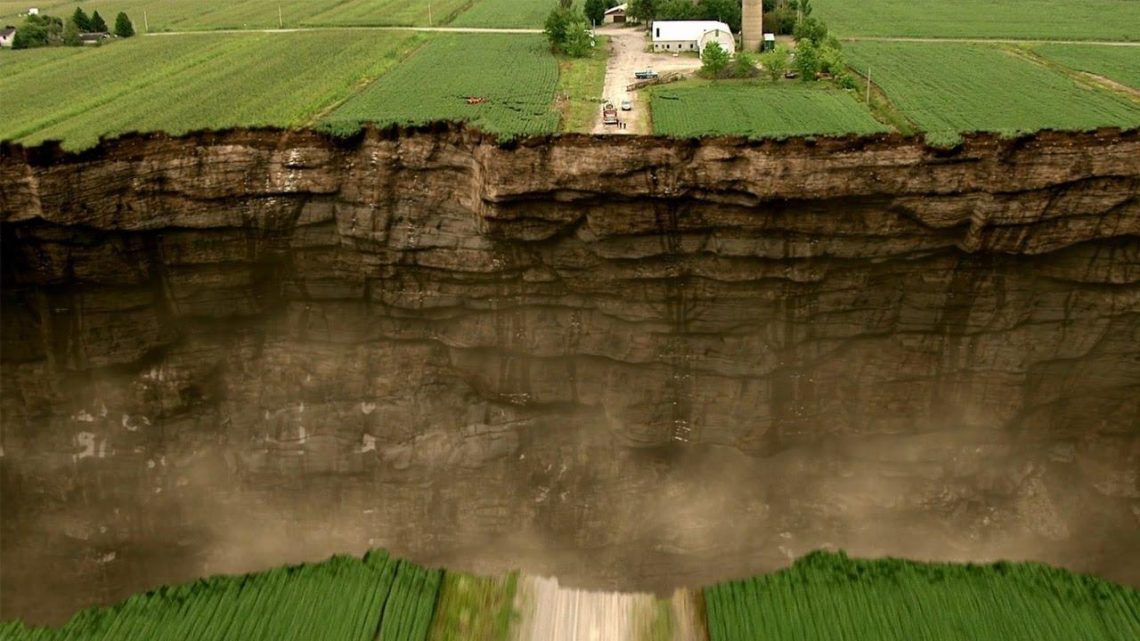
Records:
x=714, y=59
x=775, y=62
x=557, y=22
x=123, y=26
x=807, y=61
x=643, y=10
x=578, y=40
x=596, y=10
x=811, y=29
x=831, y=57
x=97, y=23
x=676, y=10
x=743, y=65
x=727, y=11
x=80, y=20
x=71, y=34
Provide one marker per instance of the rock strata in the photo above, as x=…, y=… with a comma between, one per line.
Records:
x=633, y=363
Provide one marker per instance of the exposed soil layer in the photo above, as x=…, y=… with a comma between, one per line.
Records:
x=633, y=363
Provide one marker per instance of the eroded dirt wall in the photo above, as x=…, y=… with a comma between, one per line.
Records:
x=630, y=363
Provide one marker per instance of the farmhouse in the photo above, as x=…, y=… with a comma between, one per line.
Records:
x=7, y=35
x=691, y=35
x=615, y=15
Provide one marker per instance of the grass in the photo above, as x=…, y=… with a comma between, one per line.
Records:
x=830, y=596
x=757, y=110
x=1121, y=64
x=1040, y=19
x=580, y=85
x=185, y=83
x=947, y=89
x=506, y=14
x=516, y=75
x=474, y=608
x=183, y=15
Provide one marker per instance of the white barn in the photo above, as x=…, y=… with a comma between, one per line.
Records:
x=691, y=35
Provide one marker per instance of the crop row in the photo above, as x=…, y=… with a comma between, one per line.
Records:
x=948, y=89
x=758, y=110
x=168, y=15
x=830, y=596
x=183, y=83
x=1121, y=64
x=344, y=598
x=499, y=83
x=506, y=13
x=1042, y=19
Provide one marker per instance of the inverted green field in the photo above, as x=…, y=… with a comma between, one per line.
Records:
x=194, y=15
x=1039, y=19
x=833, y=597
x=758, y=110
x=1121, y=64
x=506, y=14
x=189, y=82
x=823, y=596
x=342, y=599
x=500, y=83
x=948, y=88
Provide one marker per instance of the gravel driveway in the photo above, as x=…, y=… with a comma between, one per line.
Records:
x=628, y=55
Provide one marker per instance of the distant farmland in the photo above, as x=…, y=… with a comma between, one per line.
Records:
x=506, y=13
x=758, y=111
x=1041, y=19
x=184, y=83
x=515, y=76
x=1121, y=64
x=192, y=15
x=948, y=89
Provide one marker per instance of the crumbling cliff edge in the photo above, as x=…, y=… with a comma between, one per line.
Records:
x=632, y=362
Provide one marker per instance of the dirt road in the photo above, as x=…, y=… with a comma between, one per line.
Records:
x=627, y=56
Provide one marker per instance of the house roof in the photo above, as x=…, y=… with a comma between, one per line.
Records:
x=685, y=29
x=620, y=7
x=4, y=33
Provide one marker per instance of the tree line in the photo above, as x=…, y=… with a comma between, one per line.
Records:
x=50, y=31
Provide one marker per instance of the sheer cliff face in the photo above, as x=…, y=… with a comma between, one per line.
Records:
x=633, y=363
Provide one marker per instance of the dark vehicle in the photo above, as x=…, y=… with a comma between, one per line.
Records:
x=647, y=74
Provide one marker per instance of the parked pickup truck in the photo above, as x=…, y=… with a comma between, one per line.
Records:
x=646, y=74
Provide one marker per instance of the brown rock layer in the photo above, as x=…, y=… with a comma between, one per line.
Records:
x=632, y=362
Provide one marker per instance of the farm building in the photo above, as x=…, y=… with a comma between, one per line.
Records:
x=615, y=15
x=7, y=35
x=691, y=35
x=94, y=37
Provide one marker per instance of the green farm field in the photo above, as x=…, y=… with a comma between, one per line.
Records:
x=833, y=597
x=947, y=89
x=506, y=14
x=515, y=74
x=1121, y=64
x=1036, y=19
x=184, y=83
x=757, y=110
x=192, y=15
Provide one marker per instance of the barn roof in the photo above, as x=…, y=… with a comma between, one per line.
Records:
x=620, y=7
x=685, y=29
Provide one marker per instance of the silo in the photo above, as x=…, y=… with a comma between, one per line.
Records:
x=752, y=24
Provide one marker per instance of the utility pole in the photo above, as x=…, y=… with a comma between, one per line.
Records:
x=280, y=19
x=429, y=14
x=146, y=23
x=868, y=85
